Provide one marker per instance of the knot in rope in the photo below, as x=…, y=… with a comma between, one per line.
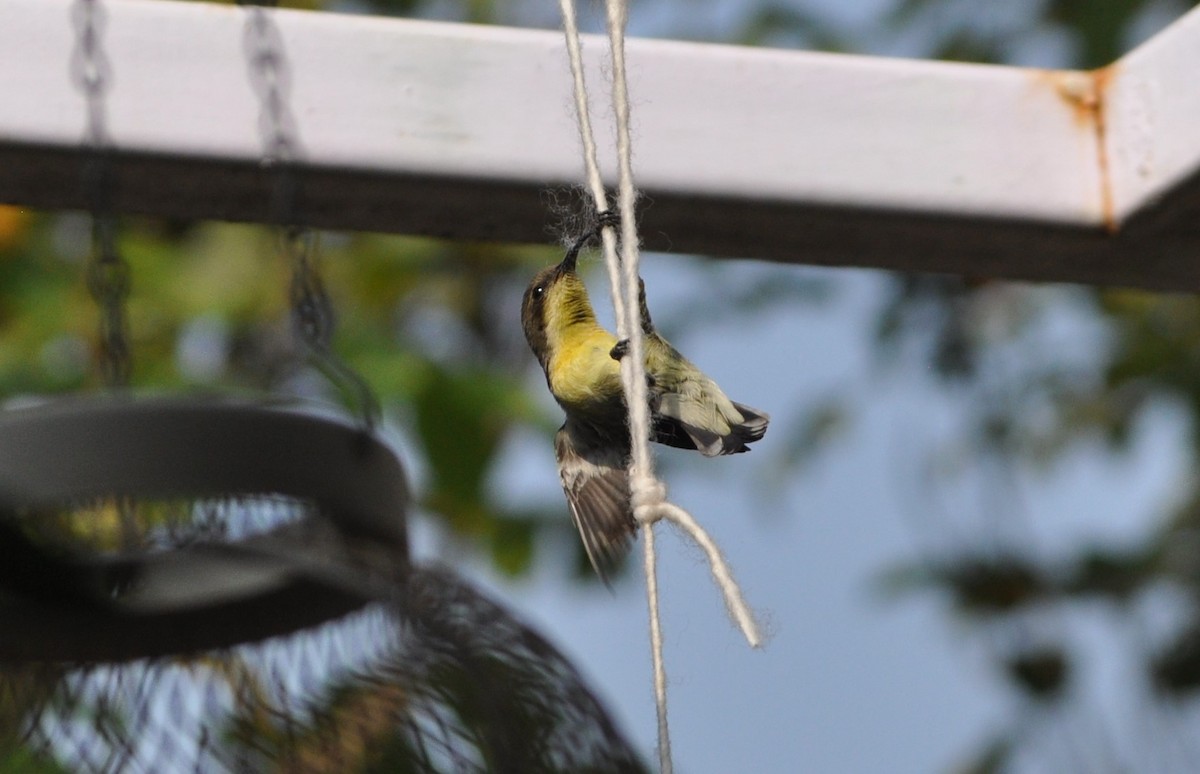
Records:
x=647, y=495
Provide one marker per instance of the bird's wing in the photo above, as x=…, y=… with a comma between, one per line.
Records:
x=597, y=487
x=699, y=412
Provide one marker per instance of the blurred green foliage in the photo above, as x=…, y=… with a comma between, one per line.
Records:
x=426, y=323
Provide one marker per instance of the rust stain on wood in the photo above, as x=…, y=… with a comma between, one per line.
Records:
x=1102, y=79
x=1085, y=94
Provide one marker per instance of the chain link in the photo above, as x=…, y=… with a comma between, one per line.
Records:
x=108, y=277
x=312, y=310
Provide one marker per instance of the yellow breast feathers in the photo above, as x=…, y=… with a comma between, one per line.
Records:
x=582, y=372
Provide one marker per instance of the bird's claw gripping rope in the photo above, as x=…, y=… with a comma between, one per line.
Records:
x=607, y=219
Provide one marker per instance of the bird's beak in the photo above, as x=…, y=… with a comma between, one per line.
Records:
x=569, y=260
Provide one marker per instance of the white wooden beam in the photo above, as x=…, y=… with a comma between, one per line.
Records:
x=458, y=131
x=1151, y=109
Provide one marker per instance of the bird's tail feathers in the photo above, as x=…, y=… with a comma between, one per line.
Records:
x=753, y=425
x=713, y=444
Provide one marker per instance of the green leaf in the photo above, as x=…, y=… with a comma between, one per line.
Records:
x=461, y=417
x=512, y=544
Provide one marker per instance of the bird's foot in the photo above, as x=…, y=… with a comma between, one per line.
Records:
x=619, y=350
x=607, y=218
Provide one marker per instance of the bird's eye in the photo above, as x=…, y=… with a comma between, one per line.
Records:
x=539, y=291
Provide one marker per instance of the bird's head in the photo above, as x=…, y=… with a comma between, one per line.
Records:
x=555, y=300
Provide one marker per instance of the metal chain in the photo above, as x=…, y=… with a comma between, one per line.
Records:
x=312, y=310
x=108, y=277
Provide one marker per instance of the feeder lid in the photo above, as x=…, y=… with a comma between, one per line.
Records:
x=205, y=595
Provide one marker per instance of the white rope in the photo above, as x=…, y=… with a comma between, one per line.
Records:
x=650, y=564
x=648, y=494
x=591, y=162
